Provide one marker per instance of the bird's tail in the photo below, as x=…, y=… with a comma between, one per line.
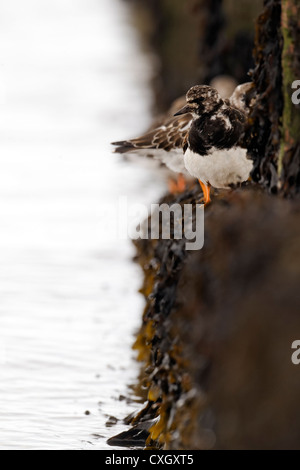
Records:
x=123, y=146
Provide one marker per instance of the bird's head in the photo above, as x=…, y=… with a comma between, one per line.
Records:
x=243, y=97
x=201, y=99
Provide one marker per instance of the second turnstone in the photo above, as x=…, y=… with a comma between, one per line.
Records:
x=164, y=142
x=213, y=153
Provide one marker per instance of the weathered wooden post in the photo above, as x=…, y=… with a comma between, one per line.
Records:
x=289, y=155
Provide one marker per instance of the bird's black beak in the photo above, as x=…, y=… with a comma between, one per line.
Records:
x=185, y=110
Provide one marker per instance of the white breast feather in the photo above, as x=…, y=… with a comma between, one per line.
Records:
x=173, y=159
x=221, y=167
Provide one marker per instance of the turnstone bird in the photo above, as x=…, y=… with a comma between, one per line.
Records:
x=213, y=153
x=168, y=140
x=163, y=142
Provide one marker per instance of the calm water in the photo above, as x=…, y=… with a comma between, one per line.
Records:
x=72, y=79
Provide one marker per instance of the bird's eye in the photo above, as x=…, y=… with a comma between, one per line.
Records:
x=197, y=100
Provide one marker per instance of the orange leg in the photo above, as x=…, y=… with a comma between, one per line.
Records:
x=181, y=183
x=178, y=186
x=206, y=192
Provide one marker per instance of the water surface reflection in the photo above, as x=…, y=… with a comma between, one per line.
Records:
x=69, y=305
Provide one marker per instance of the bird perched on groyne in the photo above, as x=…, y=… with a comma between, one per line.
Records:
x=202, y=139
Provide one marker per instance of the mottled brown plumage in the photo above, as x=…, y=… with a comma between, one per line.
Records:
x=169, y=136
x=167, y=140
